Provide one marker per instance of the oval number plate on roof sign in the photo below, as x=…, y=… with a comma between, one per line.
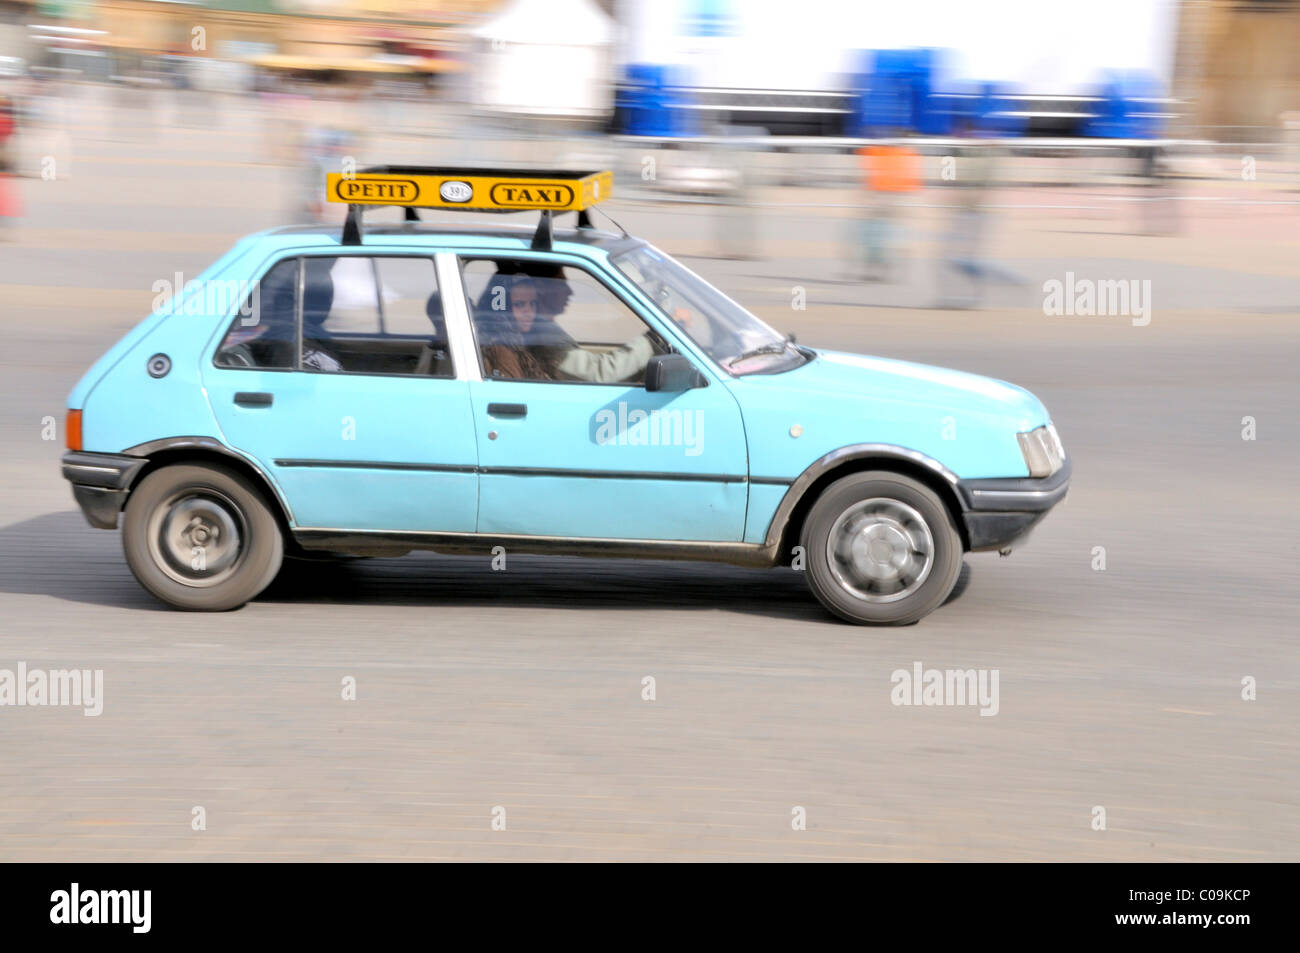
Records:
x=455, y=191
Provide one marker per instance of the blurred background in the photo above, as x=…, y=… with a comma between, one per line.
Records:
x=707, y=102
x=1215, y=69
x=902, y=179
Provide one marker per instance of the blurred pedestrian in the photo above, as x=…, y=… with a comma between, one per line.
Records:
x=327, y=140
x=1291, y=147
x=889, y=173
x=323, y=149
x=737, y=222
x=965, y=269
x=9, y=208
x=1158, y=198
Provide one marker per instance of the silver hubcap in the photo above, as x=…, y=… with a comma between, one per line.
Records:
x=880, y=550
x=196, y=537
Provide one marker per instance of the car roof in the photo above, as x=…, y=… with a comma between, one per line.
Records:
x=432, y=236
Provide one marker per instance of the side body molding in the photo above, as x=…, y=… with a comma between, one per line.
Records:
x=766, y=554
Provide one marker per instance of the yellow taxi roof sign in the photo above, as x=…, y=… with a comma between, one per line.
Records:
x=494, y=190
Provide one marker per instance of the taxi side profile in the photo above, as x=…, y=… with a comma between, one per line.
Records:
x=567, y=391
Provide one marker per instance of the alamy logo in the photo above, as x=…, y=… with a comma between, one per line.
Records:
x=953, y=686
x=193, y=298
x=36, y=687
x=103, y=906
x=652, y=428
x=1108, y=298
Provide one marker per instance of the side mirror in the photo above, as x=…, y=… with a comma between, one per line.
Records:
x=672, y=373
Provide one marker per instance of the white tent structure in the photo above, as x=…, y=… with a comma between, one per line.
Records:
x=545, y=58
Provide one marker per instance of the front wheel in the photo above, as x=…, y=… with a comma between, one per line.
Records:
x=201, y=537
x=882, y=549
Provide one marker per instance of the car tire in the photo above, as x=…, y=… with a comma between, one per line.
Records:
x=201, y=537
x=881, y=549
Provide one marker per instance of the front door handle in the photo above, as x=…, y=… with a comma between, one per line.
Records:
x=254, y=398
x=507, y=410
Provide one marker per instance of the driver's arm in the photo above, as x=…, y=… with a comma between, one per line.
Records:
x=612, y=367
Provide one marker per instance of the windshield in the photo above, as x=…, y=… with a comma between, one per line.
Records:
x=728, y=333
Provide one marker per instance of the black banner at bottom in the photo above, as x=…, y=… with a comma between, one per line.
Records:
x=115, y=902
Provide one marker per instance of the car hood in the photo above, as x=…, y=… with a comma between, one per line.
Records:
x=841, y=375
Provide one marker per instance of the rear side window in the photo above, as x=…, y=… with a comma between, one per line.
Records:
x=360, y=315
x=264, y=331
x=380, y=315
x=408, y=296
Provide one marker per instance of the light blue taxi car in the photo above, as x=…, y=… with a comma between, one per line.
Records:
x=569, y=391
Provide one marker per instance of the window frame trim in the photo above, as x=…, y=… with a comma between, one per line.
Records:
x=297, y=312
x=455, y=315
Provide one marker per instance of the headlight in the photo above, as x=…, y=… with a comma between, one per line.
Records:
x=1043, y=452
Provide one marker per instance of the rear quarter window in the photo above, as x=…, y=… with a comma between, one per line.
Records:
x=263, y=333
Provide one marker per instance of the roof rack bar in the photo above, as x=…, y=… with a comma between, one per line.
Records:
x=352, y=226
x=542, y=237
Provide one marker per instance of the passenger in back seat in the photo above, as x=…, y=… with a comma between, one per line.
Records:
x=317, y=299
x=433, y=358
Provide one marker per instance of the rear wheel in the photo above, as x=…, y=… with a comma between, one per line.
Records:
x=201, y=536
x=882, y=549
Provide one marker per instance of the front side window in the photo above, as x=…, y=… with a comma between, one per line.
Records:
x=540, y=321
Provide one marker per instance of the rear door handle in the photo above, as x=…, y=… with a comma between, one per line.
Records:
x=507, y=410
x=255, y=398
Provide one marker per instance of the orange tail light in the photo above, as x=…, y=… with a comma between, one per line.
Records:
x=73, y=429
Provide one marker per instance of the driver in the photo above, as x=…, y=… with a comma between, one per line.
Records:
x=513, y=351
x=569, y=360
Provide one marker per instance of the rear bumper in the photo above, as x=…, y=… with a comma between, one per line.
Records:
x=1000, y=513
x=99, y=483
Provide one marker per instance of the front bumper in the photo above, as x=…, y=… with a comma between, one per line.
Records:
x=100, y=482
x=1000, y=513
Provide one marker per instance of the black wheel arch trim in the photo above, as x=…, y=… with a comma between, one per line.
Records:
x=991, y=513
x=836, y=458
x=152, y=448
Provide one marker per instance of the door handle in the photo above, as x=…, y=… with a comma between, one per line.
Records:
x=256, y=398
x=507, y=410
